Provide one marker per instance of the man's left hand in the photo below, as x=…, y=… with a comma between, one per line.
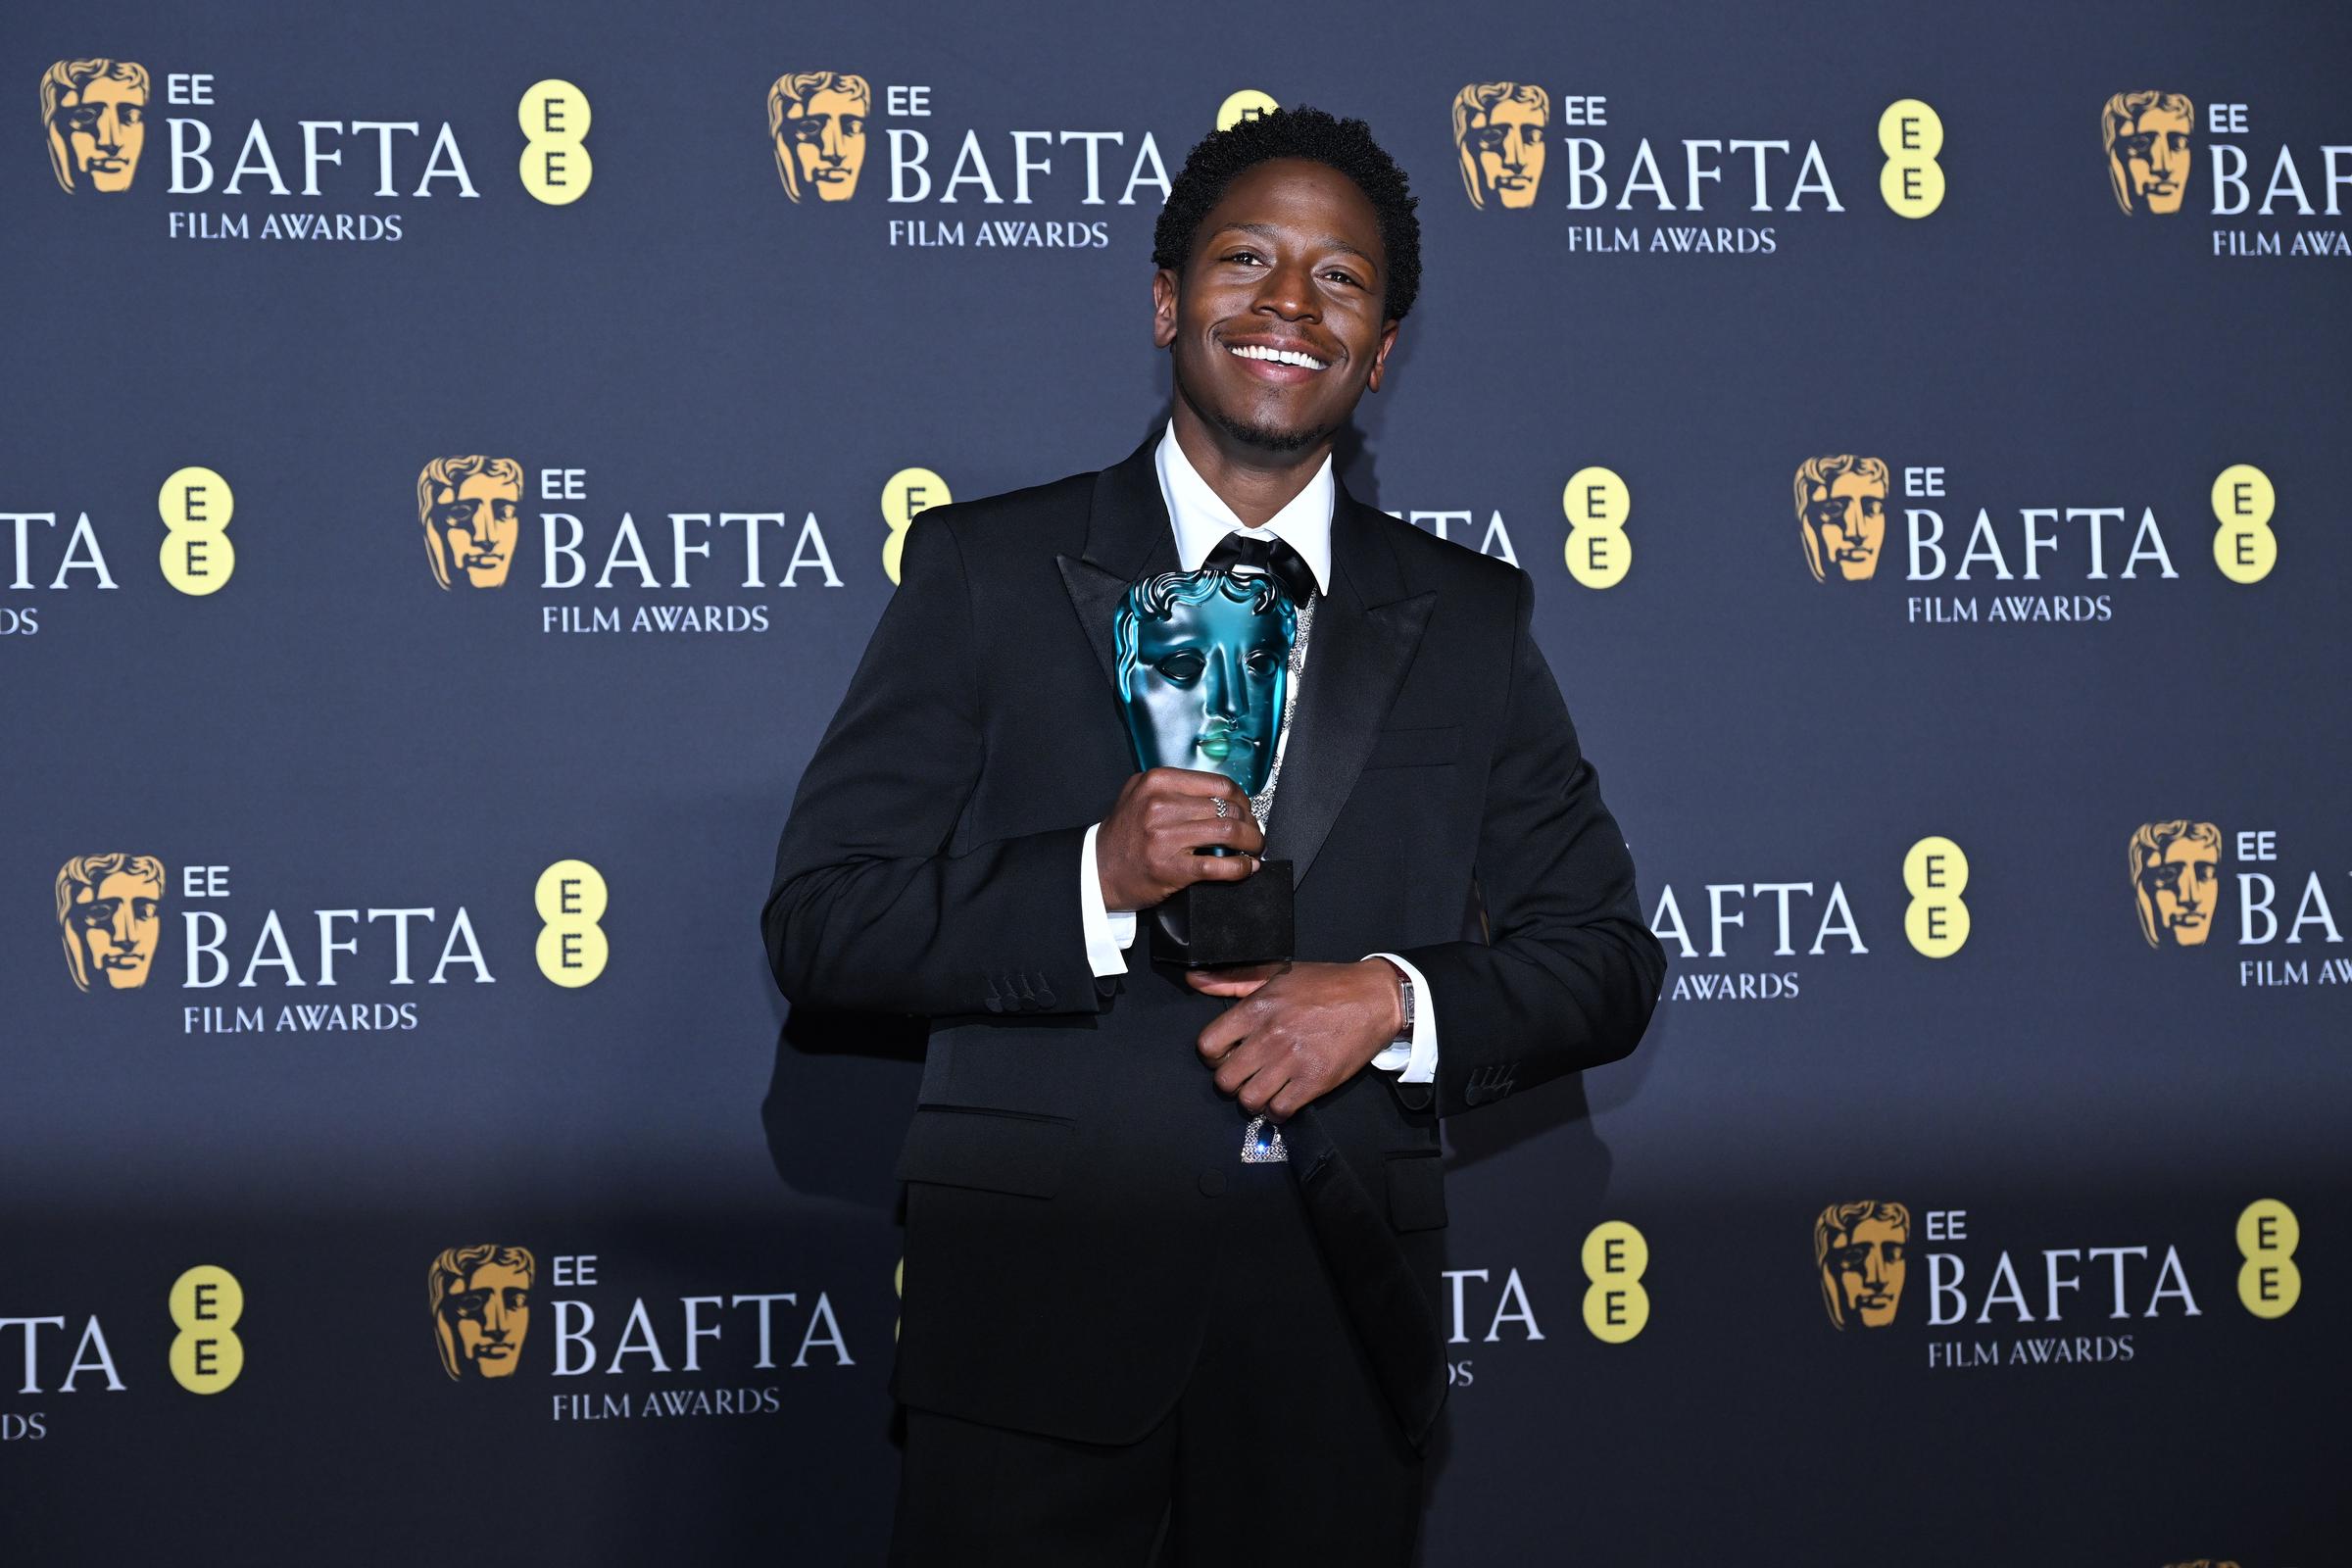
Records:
x=1299, y=1031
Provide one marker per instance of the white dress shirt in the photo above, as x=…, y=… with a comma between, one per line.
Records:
x=1202, y=519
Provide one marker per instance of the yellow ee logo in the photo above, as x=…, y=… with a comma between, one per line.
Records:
x=2244, y=547
x=196, y=505
x=903, y=494
x=2268, y=1282
x=1911, y=134
x=1616, y=1306
x=1936, y=874
x=556, y=166
x=206, y=1355
x=1247, y=104
x=1598, y=503
x=570, y=897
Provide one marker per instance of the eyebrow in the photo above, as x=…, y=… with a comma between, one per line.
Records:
x=1270, y=232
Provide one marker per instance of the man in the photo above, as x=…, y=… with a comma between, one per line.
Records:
x=2175, y=880
x=2146, y=135
x=816, y=120
x=481, y=1302
x=1841, y=506
x=110, y=912
x=96, y=114
x=1121, y=1314
x=472, y=509
x=1858, y=1249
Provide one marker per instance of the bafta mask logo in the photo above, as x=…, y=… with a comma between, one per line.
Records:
x=816, y=120
x=1203, y=664
x=1841, y=506
x=1859, y=1250
x=2176, y=873
x=481, y=1299
x=2147, y=149
x=110, y=908
x=95, y=112
x=472, y=509
x=1498, y=134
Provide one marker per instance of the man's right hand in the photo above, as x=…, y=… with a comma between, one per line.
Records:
x=1144, y=852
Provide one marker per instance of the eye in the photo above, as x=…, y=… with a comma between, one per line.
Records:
x=1184, y=667
x=1239, y=256
x=1343, y=277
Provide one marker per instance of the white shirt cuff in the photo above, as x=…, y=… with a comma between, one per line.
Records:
x=1107, y=932
x=1417, y=1059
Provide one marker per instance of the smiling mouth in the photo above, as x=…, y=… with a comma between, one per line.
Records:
x=1294, y=358
x=1218, y=745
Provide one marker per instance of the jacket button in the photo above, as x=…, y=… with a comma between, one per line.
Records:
x=1213, y=1183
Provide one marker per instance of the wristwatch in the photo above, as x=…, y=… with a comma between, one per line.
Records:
x=1404, y=995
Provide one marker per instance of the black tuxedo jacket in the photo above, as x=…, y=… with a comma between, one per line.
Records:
x=1069, y=1150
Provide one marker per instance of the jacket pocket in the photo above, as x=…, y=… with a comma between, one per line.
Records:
x=1417, y=1190
x=1415, y=747
x=996, y=1150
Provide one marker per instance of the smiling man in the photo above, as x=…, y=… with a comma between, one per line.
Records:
x=1127, y=1320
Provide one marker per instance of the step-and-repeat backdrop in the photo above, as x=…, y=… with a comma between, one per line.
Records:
x=455, y=455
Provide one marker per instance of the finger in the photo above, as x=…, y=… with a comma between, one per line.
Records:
x=1251, y=975
x=1289, y=1100
x=1197, y=782
x=1220, y=985
x=1223, y=1033
x=1238, y=833
x=1216, y=868
x=1264, y=1084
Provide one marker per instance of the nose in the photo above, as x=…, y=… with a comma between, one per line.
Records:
x=494, y=1321
x=120, y=929
x=110, y=130
x=1286, y=292
x=2162, y=157
x=1218, y=689
x=1514, y=154
x=1874, y=1270
x=2192, y=895
x=828, y=145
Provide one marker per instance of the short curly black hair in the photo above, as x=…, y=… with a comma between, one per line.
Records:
x=1346, y=145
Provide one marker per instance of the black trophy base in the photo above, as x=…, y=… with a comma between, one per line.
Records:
x=1211, y=924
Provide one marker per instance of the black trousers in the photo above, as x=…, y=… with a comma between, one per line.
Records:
x=1279, y=1450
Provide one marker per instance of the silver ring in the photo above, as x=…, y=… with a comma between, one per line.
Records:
x=1220, y=805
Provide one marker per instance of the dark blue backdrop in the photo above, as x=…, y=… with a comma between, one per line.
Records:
x=339, y=732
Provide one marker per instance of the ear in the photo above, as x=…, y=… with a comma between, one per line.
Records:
x=1164, y=308
x=1380, y=356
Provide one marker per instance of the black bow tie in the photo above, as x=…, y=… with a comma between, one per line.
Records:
x=1273, y=556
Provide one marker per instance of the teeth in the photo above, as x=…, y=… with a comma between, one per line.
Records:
x=1277, y=355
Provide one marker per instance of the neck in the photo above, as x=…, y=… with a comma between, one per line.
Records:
x=1255, y=482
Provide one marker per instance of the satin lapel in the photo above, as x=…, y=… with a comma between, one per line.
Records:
x=1366, y=633
x=1128, y=536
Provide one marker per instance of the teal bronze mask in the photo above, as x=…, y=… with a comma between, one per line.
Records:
x=1203, y=662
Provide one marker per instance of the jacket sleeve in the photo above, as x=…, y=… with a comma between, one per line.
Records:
x=869, y=911
x=1570, y=974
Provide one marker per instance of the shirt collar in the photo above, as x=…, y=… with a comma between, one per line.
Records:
x=1202, y=518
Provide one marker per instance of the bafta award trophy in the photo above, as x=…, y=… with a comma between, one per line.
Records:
x=1205, y=671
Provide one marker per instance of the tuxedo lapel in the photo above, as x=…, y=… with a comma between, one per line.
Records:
x=1127, y=535
x=1366, y=632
